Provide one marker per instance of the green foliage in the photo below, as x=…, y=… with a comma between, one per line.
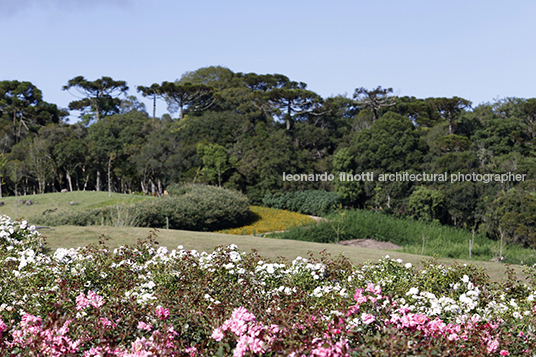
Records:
x=313, y=202
x=100, y=96
x=196, y=208
x=445, y=241
x=215, y=161
x=426, y=204
x=513, y=213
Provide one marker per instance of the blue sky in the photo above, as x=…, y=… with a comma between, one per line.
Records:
x=478, y=50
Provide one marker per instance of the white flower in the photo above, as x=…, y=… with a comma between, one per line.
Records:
x=412, y=291
x=408, y=266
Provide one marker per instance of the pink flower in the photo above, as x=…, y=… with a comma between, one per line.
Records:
x=143, y=326
x=30, y=320
x=358, y=296
x=192, y=351
x=3, y=326
x=420, y=318
x=492, y=345
x=218, y=334
x=95, y=300
x=242, y=314
x=374, y=289
x=162, y=313
x=504, y=353
x=81, y=301
x=92, y=299
x=367, y=318
x=106, y=323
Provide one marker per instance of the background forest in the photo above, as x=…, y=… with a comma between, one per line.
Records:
x=242, y=131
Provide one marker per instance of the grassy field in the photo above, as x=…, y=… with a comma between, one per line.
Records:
x=61, y=202
x=71, y=237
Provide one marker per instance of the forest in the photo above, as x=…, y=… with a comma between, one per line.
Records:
x=245, y=131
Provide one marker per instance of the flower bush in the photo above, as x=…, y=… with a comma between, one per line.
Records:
x=145, y=300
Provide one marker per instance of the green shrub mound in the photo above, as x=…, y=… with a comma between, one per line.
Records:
x=312, y=202
x=188, y=207
x=195, y=207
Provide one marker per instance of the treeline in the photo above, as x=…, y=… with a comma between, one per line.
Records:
x=242, y=131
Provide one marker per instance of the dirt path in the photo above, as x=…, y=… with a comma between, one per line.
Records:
x=370, y=243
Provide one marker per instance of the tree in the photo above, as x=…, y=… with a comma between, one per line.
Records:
x=374, y=99
x=23, y=102
x=3, y=163
x=100, y=95
x=426, y=204
x=215, y=160
x=513, y=214
x=450, y=109
x=188, y=96
x=419, y=111
x=529, y=109
x=391, y=145
x=71, y=156
x=277, y=95
x=154, y=91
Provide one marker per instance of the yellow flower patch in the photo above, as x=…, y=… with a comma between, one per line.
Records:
x=270, y=220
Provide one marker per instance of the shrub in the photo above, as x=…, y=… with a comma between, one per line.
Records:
x=313, y=202
x=195, y=207
x=190, y=207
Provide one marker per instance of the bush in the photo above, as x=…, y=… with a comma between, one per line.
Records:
x=311, y=202
x=190, y=207
x=195, y=207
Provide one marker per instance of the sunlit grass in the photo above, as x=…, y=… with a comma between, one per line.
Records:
x=270, y=220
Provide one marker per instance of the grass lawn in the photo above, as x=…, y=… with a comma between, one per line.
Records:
x=71, y=237
x=61, y=202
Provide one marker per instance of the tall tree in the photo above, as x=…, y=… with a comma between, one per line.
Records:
x=284, y=98
x=99, y=95
x=154, y=92
x=187, y=96
x=374, y=99
x=450, y=109
x=23, y=102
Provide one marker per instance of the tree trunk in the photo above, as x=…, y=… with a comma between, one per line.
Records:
x=85, y=183
x=68, y=175
x=98, y=181
x=109, y=176
x=154, y=107
x=97, y=109
x=15, y=126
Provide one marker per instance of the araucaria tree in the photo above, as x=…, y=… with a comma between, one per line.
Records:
x=100, y=96
x=182, y=96
x=374, y=99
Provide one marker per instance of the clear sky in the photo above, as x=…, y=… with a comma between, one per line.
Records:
x=480, y=50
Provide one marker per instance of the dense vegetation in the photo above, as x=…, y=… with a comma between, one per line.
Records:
x=245, y=131
x=310, y=202
x=415, y=237
x=188, y=207
x=145, y=300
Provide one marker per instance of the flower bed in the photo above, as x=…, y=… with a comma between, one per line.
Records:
x=148, y=301
x=270, y=220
